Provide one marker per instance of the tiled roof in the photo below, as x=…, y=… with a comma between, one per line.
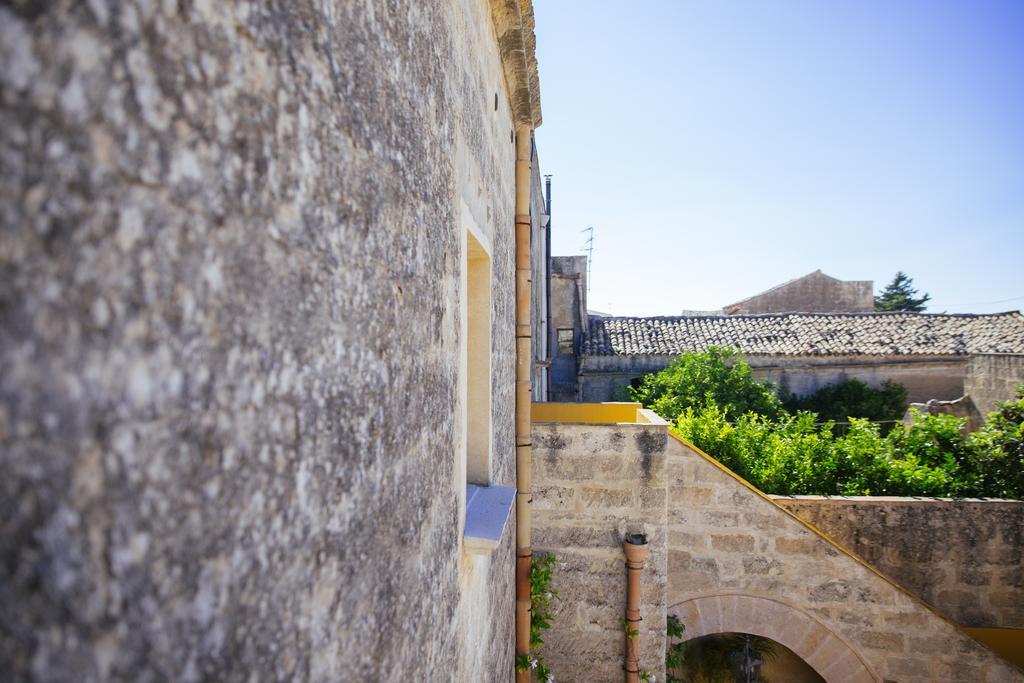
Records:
x=810, y=334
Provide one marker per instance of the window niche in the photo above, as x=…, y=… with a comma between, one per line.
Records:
x=477, y=335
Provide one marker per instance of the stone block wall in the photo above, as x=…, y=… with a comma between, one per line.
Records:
x=925, y=378
x=592, y=485
x=993, y=377
x=739, y=562
x=229, y=339
x=963, y=557
x=815, y=292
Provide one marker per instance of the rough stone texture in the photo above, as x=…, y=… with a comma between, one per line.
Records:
x=538, y=279
x=568, y=312
x=961, y=556
x=758, y=569
x=812, y=293
x=229, y=339
x=992, y=378
x=513, y=25
x=592, y=485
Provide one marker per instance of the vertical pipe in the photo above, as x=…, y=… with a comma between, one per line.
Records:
x=549, y=341
x=635, y=548
x=524, y=332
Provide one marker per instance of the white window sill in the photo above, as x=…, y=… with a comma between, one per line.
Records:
x=487, y=512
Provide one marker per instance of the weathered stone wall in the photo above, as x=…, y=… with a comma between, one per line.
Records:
x=592, y=485
x=961, y=556
x=568, y=308
x=813, y=293
x=939, y=377
x=991, y=378
x=539, y=277
x=739, y=562
x=229, y=339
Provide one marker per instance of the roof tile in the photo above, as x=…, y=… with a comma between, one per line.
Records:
x=810, y=334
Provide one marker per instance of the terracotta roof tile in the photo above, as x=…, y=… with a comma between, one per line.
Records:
x=810, y=334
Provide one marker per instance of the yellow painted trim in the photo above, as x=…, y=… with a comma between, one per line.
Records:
x=588, y=413
x=1008, y=643
x=810, y=527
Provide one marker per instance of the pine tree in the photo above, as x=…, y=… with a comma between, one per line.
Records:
x=898, y=295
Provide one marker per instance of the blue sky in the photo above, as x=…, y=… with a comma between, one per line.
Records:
x=720, y=148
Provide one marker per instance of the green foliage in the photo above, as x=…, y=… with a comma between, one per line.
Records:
x=629, y=630
x=675, y=649
x=542, y=597
x=800, y=454
x=722, y=658
x=899, y=295
x=718, y=377
x=794, y=456
x=998, y=447
x=853, y=398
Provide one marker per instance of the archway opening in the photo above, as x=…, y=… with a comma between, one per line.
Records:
x=827, y=654
x=736, y=657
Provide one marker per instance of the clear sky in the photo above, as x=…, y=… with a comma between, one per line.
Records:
x=720, y=148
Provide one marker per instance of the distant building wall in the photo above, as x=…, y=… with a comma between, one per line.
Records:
x=814, y=293
x=924, y=377
x=940, y=377
x=568, y=321
x=991, y=378
x=961, y=556
x=539, y=289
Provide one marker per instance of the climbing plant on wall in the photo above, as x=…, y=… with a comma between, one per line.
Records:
x=542, y=598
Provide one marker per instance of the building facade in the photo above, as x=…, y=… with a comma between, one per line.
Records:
x=257, y=333
x=813, y=293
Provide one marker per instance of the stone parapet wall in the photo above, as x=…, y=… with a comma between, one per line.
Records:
x=592, y=485
x=739, y=562
x=992, y=378
x=963, y=557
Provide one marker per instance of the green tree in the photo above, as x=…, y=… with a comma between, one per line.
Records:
x=718, y=377
x=853, y=398
x=997, y=450
x=900, y=295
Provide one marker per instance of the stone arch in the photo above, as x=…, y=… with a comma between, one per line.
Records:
x=832, y=657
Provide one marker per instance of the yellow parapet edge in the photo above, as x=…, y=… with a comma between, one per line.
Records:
x=588, y=413
x=1008, y=643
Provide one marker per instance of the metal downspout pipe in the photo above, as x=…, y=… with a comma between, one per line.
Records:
x=524, y=554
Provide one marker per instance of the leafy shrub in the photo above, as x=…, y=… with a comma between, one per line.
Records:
x=799, y=454
x=997, y=466
x=853, y=398
x=718, y=377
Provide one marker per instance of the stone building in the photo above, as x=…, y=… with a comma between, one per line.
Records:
x=943, y=585
x=568, y=322
x=813, y=293
x=936, y=356
x=265, y=358
x=257, y=331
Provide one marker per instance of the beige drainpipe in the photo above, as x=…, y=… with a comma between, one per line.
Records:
x=524, y=136
x=635, y=548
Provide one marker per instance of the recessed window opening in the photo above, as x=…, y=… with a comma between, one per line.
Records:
x=478, y=362
x=565, y=342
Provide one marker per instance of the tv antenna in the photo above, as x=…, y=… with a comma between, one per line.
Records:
x=588, y=247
